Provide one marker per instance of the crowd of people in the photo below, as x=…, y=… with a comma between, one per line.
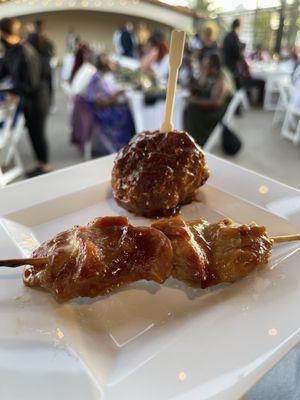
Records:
x=26, y=62
x=212, y=70
x=108, y=113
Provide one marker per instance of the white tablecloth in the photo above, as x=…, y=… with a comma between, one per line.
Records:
x=270, y=71
x=150, y=117
x=127, y=62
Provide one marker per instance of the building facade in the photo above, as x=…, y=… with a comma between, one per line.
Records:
x=96, y=20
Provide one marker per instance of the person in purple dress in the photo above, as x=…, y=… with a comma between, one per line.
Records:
x=114, y=119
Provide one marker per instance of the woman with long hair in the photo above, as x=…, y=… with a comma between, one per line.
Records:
x=210, y=97
x=156, y=58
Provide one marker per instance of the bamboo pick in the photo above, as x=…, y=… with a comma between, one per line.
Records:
x=286, y=238
x=14, y=263
x=175, y=60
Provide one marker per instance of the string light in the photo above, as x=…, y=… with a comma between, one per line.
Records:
x=123, y=2
x=135, y=2
x=59, y=3
x=263, y=189
x=110, y=3
x=72, y=3
x=97, y=3
x=182, y=376
x=84, y=3
x=272, y=332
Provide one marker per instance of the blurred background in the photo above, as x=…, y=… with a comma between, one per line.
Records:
x=103, y=69
x=79, y=78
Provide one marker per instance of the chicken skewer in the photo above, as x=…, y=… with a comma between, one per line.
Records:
x=18, y=262
x=109, y=252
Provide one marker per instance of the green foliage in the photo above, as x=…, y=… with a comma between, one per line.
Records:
x=262, y=32
x=205, y=6
x=293, y=23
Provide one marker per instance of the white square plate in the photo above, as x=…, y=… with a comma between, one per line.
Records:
x=145, y=341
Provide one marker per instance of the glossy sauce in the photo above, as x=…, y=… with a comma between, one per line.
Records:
x=158, y=172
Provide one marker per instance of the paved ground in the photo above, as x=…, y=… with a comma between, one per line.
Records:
x=264, y=150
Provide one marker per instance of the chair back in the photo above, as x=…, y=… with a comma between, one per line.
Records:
x=215, y=137
x=6, y=121
x=234, y=104
x=11, y=129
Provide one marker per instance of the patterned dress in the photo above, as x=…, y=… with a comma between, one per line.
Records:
x=115, y=121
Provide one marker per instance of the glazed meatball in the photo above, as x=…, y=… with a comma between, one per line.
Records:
x=158, y=172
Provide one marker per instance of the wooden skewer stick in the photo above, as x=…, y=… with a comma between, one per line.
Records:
x=175, y=60
x=286, y=238
x=23, y=261
x=14, y=263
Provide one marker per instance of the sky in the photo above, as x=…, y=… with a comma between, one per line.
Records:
x=228, y=5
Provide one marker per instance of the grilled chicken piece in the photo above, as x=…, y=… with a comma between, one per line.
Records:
x=209, y=254
x=109, y=252
x=95, y=259
x=158, y=172
x=190, y=261
x=233, y=251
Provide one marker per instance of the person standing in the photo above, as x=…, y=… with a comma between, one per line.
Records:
x=196, y=42
x=22, y=63
x=71, y=41
x=156, y=58
x=142, y=35
x=45, y=48
x=209, y=41
x=83, y=53
x=117, y=41
x=232, y=51
x=127, y=40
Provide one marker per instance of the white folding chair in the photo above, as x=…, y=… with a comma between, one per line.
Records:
x=11, y=165
x=215, y=137
x=291, y=125
x=135, y=102
x=285, y=92
x=244, y=99
x=272, y=89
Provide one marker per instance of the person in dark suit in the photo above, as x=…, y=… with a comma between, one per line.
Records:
x=22, y=63
x=44, y=46
x=232, y=53
x=127, y=41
